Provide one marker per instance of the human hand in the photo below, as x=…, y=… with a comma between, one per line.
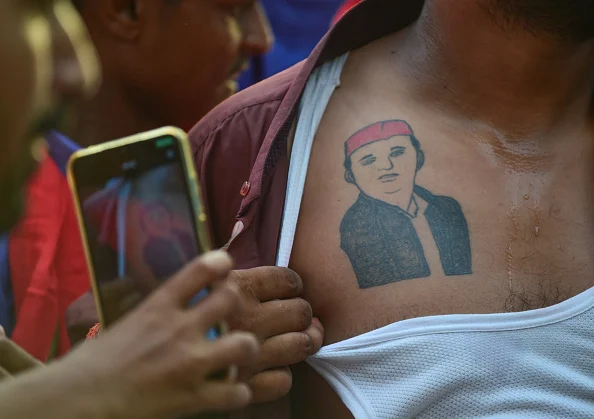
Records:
x=155, y=362
x=13, y=359
x=281, y=321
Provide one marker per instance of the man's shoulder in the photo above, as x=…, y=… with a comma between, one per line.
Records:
x=227, y=142
x=247, y=113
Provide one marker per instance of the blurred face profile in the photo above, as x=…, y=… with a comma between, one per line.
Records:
x=177, y=59
x=47, y=59
x=212, y=48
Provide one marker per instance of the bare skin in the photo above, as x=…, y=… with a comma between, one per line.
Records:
x=504, y=120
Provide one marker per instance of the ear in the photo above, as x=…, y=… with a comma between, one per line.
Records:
x=349, y=177
x=122, y=18
x=420, y=159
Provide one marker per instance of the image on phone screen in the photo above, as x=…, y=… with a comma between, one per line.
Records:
x=139, y=221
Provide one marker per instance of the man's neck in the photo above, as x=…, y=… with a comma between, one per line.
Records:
x=108, y=116
x=401, y=199
x=515, y=82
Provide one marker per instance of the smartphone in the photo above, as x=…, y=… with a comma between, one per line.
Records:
x=140, y=215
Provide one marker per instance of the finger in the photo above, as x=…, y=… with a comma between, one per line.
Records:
x=271, y=385
x=196, y=276
x=216, y=396
x=219, y=304
x=14, y=359
x=237, y=348
x=281, y=316
x=316, y=332
x=269, y=282
x=4, y=375
x=291, y=348
x=283, y=351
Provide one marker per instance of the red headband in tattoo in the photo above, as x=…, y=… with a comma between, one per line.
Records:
x=376, y=132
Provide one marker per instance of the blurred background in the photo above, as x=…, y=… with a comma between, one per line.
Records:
x=298, y=25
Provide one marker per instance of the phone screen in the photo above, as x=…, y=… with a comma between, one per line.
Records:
x=139, y=220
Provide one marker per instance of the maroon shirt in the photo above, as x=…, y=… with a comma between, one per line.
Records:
x=240, y=148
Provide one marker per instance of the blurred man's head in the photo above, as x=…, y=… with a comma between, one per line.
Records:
x=566, y=20
x=174, y=60
x=47, y=60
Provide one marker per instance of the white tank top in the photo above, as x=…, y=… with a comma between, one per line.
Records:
x=532, y=364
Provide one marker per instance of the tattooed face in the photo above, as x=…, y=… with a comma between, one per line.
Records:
x=385, y=169
x=390, y=243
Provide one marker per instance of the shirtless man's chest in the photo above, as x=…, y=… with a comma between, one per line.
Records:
x=409, y=213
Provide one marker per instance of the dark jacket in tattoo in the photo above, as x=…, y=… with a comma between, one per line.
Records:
x=383, y=246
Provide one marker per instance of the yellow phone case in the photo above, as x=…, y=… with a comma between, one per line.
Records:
x=202, y=234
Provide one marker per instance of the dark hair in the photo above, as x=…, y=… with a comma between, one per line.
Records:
x=415, y=143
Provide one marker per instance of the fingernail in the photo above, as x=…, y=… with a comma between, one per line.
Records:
x=217, y=260
x=245, y=394
x=316, y=322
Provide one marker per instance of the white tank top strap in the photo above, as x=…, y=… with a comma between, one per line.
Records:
x=318, y=91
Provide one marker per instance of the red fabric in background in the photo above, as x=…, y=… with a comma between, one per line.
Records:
x=345, y=8
x=47, y=263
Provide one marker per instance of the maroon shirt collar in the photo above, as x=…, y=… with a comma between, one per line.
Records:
x=366, y=22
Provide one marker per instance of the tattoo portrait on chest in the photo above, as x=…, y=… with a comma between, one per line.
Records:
x=397, y=230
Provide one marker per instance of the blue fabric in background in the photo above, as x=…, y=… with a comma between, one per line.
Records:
x=7, y=316
x=60, y=149
x=298, y=25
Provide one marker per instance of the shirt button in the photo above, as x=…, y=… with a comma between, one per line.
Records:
x=245, y=188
